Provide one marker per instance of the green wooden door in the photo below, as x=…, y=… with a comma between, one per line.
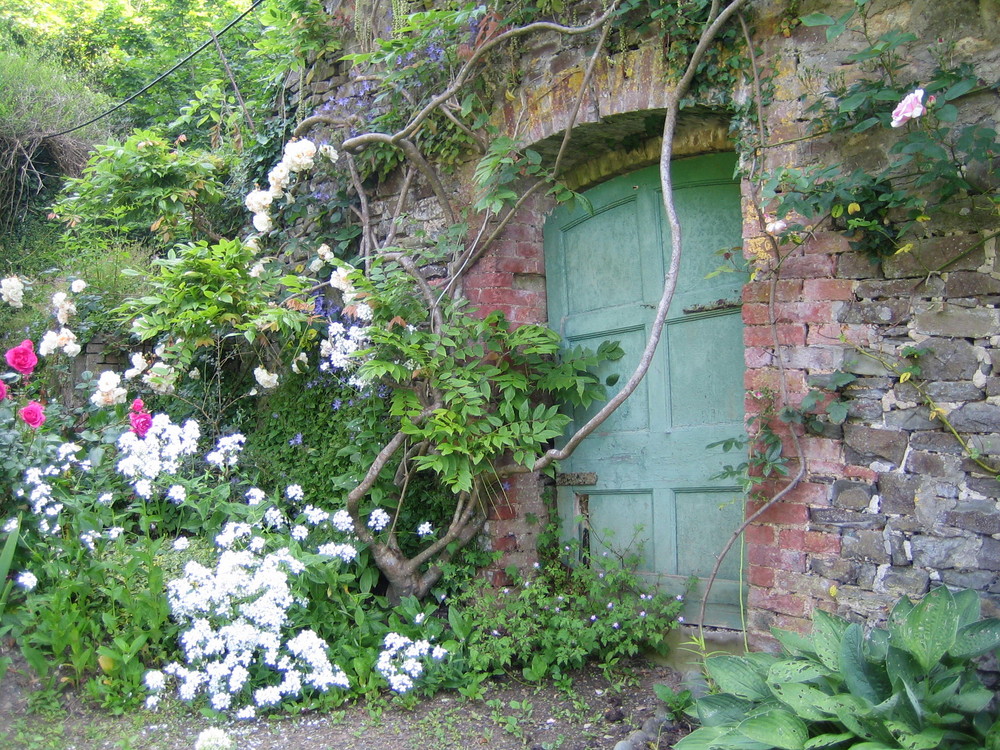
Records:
x=644, y=476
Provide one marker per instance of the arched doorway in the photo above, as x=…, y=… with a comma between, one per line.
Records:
x=646, y=475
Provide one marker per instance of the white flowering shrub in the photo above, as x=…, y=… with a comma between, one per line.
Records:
x=273, y=604
x=238, y=644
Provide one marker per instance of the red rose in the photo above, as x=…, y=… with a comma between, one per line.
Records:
x=22, y=357
x=141, y=422
x=3, y=390
x=33, y=415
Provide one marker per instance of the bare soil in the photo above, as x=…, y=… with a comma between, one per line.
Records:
x=596, y=713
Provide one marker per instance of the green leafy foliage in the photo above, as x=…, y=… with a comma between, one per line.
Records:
x=679, y=26
x=823, y=403
x=119, y=47
x=911, y=684
x=146, y=186
x=565, y=613
x=201, y=294
x=501, y=386
x=764, y=448
x=38, y=98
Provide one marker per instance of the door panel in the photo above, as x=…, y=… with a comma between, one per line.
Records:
x=605, y=274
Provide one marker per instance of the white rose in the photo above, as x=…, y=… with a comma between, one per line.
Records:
x=78, y=286
x=48, y=344
x=258, y=201
x=299, y=154
x=264, y=378
x=278, y=178
x=329, y=152
x=262, y=223
x=12, y=291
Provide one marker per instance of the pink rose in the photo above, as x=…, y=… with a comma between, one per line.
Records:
x=138, y=406
x=22, y=357
x=33, y=415
x=141, y=422
x=3, y=390
x=911, y=107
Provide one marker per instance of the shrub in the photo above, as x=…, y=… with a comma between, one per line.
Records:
x=566, y=613
x=910, y=685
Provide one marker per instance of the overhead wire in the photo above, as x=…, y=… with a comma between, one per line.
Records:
x=159, y=78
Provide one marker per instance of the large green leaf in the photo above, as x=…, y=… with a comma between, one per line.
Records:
x=722, y=709
x=795, y=670
x=827, y=632
x=779, y=728
x=992, y=741
x=976, y=638
x=865, y=680
x=926, y=739
x=700, y=739
x=929, y=630
x=736, y=675
x=969, y=607
x=971, y=700
x=855, y=715
x=794, y=643
x=804, y=700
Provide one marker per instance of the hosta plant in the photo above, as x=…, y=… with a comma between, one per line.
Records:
x=911, y=685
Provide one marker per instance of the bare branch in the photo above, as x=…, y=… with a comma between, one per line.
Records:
x=498, y=230
x=414, y=155
x=411, y=127
x=367, y=239
x=307, y=124
x=398, y=210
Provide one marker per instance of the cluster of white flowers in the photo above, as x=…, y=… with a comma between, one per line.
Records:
x=214, y=738
x=342, y=521
x=346, y=552
x=425, y=529
x=109, y=391
x=38, y=492
x=158, y=375
x=401, y=660
x=339, y=350
x=324, y=255
x=161, y=378
x=63, y=307
x=139, y=365
x=378, y=519
x=298, y=156
x=27, y=580
x=227, y=450
x=237, y=626
x=63, y=339
x=159, y=452
x=12, y=291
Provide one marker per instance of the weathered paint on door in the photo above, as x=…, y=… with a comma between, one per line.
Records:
x=653, y=472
